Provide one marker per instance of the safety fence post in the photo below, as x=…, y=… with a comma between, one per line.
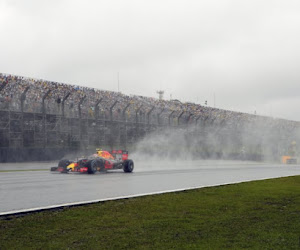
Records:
x=148, y=114
x=43, y=101
x=170, y=115
x=23, y=98
x=97, y=108
x=178, y=119
x=111, y=110
x=63, y=103
x=159, y=114
x=124, y=110
x=79, y=105
x=136, y=113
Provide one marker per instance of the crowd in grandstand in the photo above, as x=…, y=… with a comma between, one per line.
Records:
x=34, y=95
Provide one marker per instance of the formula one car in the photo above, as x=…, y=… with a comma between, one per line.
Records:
x=101, y=161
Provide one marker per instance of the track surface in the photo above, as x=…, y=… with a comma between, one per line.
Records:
x=34, y=189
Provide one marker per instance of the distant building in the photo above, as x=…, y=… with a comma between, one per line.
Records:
x=160, y=94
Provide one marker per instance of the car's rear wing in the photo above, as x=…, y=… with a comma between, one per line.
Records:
x=120, y=154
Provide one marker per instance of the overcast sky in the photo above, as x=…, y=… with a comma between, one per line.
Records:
x=237, y=55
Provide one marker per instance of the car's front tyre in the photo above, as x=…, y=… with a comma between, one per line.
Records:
x=92, y=167
x=63, y=164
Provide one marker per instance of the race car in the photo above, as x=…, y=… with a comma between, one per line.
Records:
x=101, y=161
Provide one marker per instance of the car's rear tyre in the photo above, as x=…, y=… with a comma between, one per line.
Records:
x=63, y=164
x=128, y=166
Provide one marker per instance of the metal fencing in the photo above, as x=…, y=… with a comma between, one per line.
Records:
x=34, y=126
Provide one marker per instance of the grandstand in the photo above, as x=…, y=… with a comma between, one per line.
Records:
x=43, y=120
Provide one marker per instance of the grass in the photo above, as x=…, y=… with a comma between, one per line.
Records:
x=259, y=214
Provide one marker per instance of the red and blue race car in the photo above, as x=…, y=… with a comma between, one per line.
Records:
x=101, y=162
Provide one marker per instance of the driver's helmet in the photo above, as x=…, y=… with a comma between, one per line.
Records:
x=99, y=151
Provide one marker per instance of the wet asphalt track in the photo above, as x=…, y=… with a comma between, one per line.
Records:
x=35, y=189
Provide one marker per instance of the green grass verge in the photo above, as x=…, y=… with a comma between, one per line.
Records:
x=22, y=170
x=258, y=214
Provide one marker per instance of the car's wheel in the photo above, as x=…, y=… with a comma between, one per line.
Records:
x=128, y=166
x=63, y=164
x=93, y=166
